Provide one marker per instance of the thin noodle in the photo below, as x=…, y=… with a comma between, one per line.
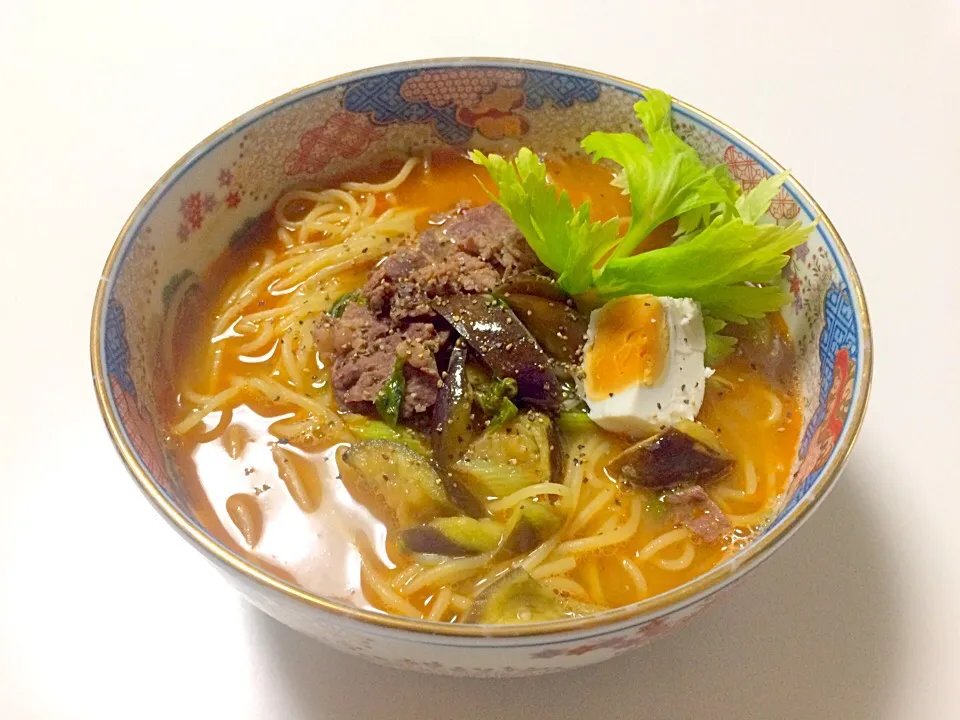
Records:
x=197, y=415
x=252, y=320
x=621, y=534
x=598, y=449
x=535, y=558
x=404, y=576
x=591, y=574
x=529, y=563
x=460, y=602
x=194, y=397
x=663, y=541
x=749, y=479
x=440, y=604
x=636, y=577
x=346, y=198
x=449, y=571
x=391, y=184
x=724, y=495
x=290, y=362
x=609, y=525
x=282, y=204
x=680, y=563
x=573, y=479
x=291, y=428
x=226, y=417
x=750, y=521
x=258, y=343
x=387, y=595
x=276, y=391
x=530, y=491
x=593, y=507
x=215, y=365
x=556, y=567
x=286, y=238
x=776, y=408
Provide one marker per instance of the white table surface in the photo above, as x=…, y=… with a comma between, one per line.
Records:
x=106, y=613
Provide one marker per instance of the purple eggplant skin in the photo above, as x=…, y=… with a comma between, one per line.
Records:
x=429, y=540
x=559, y=329
x=457, y=492
x=533, y=284
x=669, y=459
x=505, y=346
x=452, y=430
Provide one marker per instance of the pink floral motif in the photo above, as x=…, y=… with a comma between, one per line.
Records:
x=464, y=88
x=343, y=135
x=196, y=206
x=191, y=208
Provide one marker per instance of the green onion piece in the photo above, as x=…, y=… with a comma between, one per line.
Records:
x=336, y=310
x=365, y=428
x=575, y=421
x=390, y=397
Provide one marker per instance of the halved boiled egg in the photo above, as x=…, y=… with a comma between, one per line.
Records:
x=643, y=363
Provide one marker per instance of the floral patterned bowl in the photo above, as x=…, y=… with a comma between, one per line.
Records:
x=221, y=192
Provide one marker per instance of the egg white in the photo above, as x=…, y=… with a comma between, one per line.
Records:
x=676, y=395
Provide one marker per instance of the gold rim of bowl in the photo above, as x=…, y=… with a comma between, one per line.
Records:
x=659, y=605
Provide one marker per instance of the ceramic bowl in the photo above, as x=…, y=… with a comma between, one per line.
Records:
x=221, y=191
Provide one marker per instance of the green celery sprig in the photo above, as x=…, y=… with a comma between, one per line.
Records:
x=722, y=256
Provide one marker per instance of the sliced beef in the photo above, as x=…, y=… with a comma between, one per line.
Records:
x=691, y=507
x=392, y=290
x=366, y=351
x=470, y=250
x=419, y=345
x=488, y=233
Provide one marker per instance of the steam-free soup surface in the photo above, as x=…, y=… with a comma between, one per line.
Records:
x=263, y=436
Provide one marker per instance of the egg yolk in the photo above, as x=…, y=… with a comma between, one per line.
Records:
x=629, y=346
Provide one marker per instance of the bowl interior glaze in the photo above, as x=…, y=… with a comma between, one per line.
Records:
x=221, y=192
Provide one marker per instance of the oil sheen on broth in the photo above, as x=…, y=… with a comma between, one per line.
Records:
x=265, y=465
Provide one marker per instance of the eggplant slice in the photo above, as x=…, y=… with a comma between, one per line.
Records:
x=532, y=284
x=517, y=598
x=405, y=482
x=678, y=455
x=559, y=329
x=532, y=523
x=453, y=430
x=508, y=458
x=505, y=346
x=453, y=537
